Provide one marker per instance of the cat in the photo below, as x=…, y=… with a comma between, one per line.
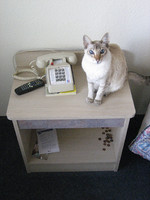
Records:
x=105, y=67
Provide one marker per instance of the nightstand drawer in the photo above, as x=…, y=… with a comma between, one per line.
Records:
x=78, y=123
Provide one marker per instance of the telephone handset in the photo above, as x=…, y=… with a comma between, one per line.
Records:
x=59, y=76
x=43, y=61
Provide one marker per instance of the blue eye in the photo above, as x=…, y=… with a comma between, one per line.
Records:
x=102, y=51
x=91, y=52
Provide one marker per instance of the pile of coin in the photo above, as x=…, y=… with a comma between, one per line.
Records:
x=108, y=138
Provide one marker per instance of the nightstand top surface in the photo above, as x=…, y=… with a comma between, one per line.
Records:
x=36, y=106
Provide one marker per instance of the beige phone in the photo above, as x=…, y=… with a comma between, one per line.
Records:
x=59, y=76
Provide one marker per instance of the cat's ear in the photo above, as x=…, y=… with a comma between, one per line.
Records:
x=86, y=41
x=105, y=39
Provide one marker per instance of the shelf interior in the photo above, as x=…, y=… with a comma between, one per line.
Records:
x=80, y=146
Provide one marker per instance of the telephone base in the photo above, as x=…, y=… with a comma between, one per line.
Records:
x=72, y=92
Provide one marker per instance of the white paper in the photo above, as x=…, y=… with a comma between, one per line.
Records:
x=57, y=61
x=47, y=141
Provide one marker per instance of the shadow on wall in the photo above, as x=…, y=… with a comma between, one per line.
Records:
x=140, y=92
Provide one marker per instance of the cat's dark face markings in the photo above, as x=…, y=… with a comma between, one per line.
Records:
x=96, y=49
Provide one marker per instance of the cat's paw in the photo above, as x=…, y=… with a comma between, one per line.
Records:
x=89, y=100
x=98, y=102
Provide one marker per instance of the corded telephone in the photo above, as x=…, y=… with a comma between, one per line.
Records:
x=57, y=69
x=59, y=76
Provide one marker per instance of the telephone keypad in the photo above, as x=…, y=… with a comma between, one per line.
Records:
x=60, y=75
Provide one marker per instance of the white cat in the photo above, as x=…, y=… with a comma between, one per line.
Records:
x=105, y=67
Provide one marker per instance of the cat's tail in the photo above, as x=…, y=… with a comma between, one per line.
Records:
x=139, y=78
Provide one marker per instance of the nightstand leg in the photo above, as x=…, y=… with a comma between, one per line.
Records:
x=120, y=139
x=23, y=142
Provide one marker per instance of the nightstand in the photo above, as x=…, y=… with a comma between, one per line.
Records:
x=81, y=127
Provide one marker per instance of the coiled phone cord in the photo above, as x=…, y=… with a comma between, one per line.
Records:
x=32, y=70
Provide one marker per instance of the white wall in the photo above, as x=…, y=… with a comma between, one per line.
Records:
x=61, y=24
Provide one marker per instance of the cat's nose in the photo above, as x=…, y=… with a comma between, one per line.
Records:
x=97, y=58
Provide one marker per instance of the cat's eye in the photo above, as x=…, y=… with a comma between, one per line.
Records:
x=91, y=52
x=102, y=51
